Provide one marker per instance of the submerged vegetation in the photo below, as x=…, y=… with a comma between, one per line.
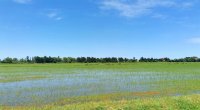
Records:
x=100, y=86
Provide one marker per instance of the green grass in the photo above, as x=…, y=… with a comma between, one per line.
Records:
x=191, y=102
x=19, y=72
x=166, y=80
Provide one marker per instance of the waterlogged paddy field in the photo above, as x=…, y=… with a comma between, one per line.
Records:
x=100, y=86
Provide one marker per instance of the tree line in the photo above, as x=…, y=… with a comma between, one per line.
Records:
x=186, y=59
x=58, y=59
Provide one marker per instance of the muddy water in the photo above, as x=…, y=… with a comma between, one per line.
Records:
x=82, y=83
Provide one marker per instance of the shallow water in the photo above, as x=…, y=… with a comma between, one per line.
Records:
x=80, y=83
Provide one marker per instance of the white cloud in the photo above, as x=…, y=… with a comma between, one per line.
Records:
x=187, y=4
x=135, y=8
x=195, y=40
x=54, y=14
x=59, y=18
x=23, y=1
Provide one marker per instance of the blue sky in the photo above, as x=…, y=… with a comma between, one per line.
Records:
x=100, y=28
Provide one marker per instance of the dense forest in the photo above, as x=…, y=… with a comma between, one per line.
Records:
x=58, y=59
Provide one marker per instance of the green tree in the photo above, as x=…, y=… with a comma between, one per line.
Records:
x=7, y=60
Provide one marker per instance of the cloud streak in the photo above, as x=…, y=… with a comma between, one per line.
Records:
x=135, y=8
x=195, y=40
x=54, y=14
x=23, y=1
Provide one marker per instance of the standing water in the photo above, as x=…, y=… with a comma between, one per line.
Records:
x=80, y=83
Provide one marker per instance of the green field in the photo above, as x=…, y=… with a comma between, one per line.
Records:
x=120, y=86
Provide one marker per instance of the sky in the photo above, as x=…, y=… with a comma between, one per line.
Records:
x=100, y=28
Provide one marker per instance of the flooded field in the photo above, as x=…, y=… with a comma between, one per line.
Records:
x=42, y=85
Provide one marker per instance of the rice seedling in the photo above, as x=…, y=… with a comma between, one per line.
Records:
x=123, y=86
